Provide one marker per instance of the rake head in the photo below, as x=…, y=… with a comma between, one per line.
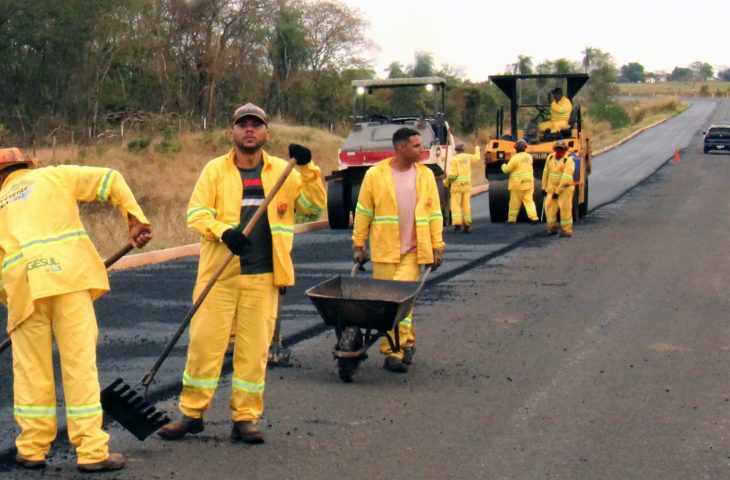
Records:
x=131, y=410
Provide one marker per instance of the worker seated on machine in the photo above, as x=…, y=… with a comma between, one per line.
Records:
x=560, y=110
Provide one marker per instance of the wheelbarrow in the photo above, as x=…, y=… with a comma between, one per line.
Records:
x=362, y=310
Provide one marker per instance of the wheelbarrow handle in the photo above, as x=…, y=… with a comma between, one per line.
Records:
x=107, y=263
x=426, y=272
x=260, y=211
x=358, y=267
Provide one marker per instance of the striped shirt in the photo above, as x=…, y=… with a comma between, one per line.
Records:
x=259, y=258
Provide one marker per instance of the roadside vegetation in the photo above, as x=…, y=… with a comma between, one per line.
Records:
x=716, y=89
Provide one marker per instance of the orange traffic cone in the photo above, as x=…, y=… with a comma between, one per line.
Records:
x=676, y=157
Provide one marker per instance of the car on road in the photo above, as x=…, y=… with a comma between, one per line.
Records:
x=717, y=137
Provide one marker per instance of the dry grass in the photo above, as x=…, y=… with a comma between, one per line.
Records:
x=642, y=112
x=683, y=89
x=162, y=182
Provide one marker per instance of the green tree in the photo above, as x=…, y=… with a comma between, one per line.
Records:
x=725, y=75
x=632, y=73
x=523, y=65
x=289, y=51
x=702, y=70
x=681, y=74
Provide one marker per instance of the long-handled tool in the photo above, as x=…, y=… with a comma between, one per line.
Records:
x=107, y=263
x=278, y=354
x=130, y=409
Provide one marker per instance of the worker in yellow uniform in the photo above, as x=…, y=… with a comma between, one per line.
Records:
x=558, y=188
x=51, y=274
x=399, y=208
x=560, y=109
x=458, y=180
x=521, y=184
x=228, y=192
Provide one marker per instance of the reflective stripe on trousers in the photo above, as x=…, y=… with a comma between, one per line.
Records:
x=70, y=319
x=246, y=304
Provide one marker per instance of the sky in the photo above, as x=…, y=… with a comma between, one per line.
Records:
x=482, y=37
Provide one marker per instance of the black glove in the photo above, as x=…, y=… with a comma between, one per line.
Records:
x=236, y=241
x=302, y=155
x=555, y=196
x=544, y=193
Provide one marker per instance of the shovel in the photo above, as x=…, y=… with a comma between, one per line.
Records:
x=107, y=263
x=278, y=354
x=130, y=409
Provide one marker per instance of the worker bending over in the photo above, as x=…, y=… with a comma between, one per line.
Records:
x=51, y=275
x=558, y=188
x=521, y=184
x=458, y=180
x=244, y=298
x=399, y=209
x=560, y=109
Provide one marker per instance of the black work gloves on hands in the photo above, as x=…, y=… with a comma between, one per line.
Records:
x=301, y=154
x=555, y=196
x=544, y=193
x=237, y=242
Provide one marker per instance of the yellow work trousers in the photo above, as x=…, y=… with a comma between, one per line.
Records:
x=248, y=304
x=461, y=207
x=554, y=125
x=517, y=198
x=407, y=270
x=70, y=319
x=564, y=204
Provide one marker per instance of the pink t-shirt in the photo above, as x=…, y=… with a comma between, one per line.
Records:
x=405, y=195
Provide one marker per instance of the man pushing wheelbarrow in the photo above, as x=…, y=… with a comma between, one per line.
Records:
x=399, y=208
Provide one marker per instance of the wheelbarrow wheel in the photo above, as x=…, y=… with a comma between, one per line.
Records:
x=350, y=341
x=346, y=368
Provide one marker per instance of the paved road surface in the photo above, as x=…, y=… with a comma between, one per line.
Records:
x=449, y=431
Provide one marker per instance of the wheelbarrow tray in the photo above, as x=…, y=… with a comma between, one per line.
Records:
x=363, y=302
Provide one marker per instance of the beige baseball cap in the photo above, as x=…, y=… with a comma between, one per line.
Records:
x=250, y=110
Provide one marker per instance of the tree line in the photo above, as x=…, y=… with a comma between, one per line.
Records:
x=82, y=69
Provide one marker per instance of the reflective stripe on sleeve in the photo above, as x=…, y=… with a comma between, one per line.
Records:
x=304, y=201
x=103, y=193
x=193, y=211
x=363, y=211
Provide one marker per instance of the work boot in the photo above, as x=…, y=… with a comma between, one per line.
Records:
x=466, y=228
x=565, y=234
x=115, y=461
x=550, y=233
x=246, y=432
x=534, y=222
x=457, y=228
x=510, y=224
x=30, y=464
x=177, y=429
x=408, y=353
x=395, y=364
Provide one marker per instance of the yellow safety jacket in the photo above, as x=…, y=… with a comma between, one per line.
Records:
x=377, y=213
x=44, y=249
x=459, y=174
x=215, y=206
x=561, y=110
x=558, y=174
x=520, y=172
